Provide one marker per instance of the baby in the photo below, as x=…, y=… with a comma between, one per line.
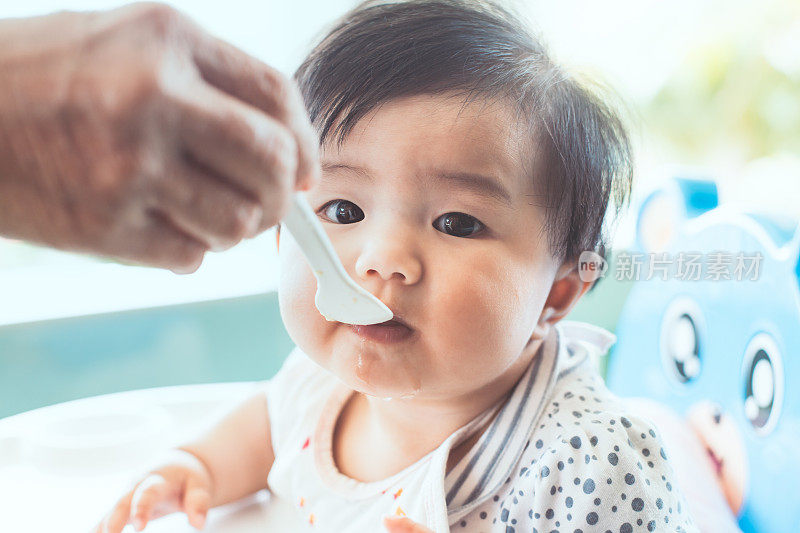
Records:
x=463, y=175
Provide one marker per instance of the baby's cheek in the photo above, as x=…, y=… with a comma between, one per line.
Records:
x=479, y=327
x=296, y=291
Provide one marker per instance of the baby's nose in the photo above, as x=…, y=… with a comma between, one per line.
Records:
x=391, y=259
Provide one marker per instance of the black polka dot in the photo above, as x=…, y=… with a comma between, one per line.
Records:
x=560, y=465
x=597, y=501
x=483, y=515
x=539, y=444
x=545, y=471
x=625, y=528
x=613, y=459
x=613, y=508
x=504, y=515
x=593, y=441
x=669, y=486
x=625, y=422
x=592, y=518
x=629, y=479
x=463, y=523
x=588, y=486
x=576, y=414
x=646, y=452
x=577, y=481
x=575, y=441
x=569, y=502
x=637, y=504
x=651, y=525
x=549, y=514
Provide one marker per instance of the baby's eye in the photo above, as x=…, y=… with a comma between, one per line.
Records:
x=458, y=224
x=342, y=212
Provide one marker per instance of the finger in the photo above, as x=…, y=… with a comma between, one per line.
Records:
x=248, y=79
x=249, y=149
x=150, y=492
x=116, y=520
x=156, y=242
x=206, y=208
x=196, y=502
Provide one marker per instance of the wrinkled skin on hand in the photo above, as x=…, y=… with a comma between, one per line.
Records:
x=133, y=134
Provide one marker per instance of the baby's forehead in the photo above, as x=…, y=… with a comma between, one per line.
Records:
x=479, y=135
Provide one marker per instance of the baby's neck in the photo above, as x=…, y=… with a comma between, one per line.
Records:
x=375, y=438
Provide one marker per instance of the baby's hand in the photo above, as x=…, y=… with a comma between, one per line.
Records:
x=182, y=483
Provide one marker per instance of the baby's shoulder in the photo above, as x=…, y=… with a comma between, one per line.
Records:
x=299, y=386
x=591, y=458
x=584, y=422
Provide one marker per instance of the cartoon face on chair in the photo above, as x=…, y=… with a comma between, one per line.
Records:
x=715, y=334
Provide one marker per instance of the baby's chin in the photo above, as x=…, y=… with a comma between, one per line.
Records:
x=372, y=373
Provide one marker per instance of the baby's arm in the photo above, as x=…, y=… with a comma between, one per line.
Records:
x=237, y=451
x=230, y=461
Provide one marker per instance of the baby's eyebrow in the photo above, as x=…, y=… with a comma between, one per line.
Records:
x=467, y=180
x=477, y=182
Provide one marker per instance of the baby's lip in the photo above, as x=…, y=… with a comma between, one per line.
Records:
x=395, y=321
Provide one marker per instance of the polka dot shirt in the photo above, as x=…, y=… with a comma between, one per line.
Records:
x=586, y=465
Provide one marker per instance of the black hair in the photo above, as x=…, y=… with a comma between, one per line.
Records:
x=383, y=50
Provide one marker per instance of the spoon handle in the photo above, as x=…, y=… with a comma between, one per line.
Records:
x=307, y=230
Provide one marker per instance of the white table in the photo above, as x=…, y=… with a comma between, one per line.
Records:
x=63, y=466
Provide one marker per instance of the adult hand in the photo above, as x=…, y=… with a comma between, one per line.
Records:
x=134, y=134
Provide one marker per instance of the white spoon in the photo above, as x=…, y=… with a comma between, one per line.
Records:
x=338, y=298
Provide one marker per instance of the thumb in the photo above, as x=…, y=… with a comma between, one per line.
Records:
x=196, y=501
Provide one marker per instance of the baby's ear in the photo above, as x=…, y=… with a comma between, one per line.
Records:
x=664, y=210
x=567, y=289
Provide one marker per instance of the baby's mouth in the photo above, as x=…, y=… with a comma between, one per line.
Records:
x=391, y=331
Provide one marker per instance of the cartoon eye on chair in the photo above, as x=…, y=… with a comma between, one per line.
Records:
x=715, y=335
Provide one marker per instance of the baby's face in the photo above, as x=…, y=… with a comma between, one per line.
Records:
x=430, y=209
